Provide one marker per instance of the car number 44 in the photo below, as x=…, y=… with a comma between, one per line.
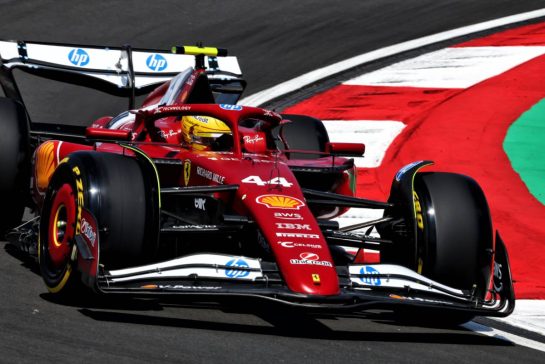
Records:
x=275, y=181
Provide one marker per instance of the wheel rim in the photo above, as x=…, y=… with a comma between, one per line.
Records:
x=61, y=226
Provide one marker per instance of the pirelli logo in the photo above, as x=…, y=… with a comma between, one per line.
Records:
x=280, y=202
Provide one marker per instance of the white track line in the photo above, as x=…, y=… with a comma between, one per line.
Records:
x=313, y=76
x=448, y=68
x=499, y=334
x=528, y=315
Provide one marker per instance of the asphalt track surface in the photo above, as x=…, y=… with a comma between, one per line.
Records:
x=275, y=42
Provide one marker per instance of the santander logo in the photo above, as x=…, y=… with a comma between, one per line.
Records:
x=310, y=259
x=309, y=256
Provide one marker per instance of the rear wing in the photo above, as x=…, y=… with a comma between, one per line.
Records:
x=122, y=71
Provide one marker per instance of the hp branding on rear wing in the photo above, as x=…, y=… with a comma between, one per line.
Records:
x=121, y=70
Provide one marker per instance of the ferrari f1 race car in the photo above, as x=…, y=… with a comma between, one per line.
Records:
x=190, y=194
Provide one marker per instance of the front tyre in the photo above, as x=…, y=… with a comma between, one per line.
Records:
x=454, y=229
x=454, y=242
x=56, y=251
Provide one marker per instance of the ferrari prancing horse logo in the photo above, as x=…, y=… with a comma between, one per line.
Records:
x=187, y=171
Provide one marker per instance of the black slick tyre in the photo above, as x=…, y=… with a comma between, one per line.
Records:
x=454, y=242
x=455, y=239
x=114, y=190
x=15, y=163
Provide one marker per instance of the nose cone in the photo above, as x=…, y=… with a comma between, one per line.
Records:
x=296, y=240
x=270, y=195
x=311, y=273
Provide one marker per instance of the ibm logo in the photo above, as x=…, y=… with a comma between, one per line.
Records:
x=78, y=57
x=156, y=62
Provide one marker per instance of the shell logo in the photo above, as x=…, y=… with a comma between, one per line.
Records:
x=280, y=202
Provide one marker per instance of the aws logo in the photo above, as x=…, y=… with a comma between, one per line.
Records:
x=156, y=62
x=78, y=57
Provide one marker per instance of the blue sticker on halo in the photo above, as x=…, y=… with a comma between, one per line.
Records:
x=231, y=107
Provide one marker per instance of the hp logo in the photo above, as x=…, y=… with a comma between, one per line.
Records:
x=372, y=281
x=78, y=57
x=231, y=107
x=156, y=62
x=237, y=273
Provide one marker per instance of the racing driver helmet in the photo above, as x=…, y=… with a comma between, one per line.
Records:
x=206, y=133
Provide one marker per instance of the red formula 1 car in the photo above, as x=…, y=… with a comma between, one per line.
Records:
x=191, y=194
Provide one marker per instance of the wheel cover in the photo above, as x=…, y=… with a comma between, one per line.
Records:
x=61, y=226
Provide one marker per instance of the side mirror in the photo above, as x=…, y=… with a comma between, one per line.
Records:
x=107, y=134
x=345, y=149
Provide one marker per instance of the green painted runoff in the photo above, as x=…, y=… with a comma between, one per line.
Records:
x=525, y=147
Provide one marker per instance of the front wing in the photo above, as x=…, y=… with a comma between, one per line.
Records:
x=216, y=276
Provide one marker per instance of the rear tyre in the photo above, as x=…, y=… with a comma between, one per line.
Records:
x=14, y=161
x=115, y=190
x=303, y=133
